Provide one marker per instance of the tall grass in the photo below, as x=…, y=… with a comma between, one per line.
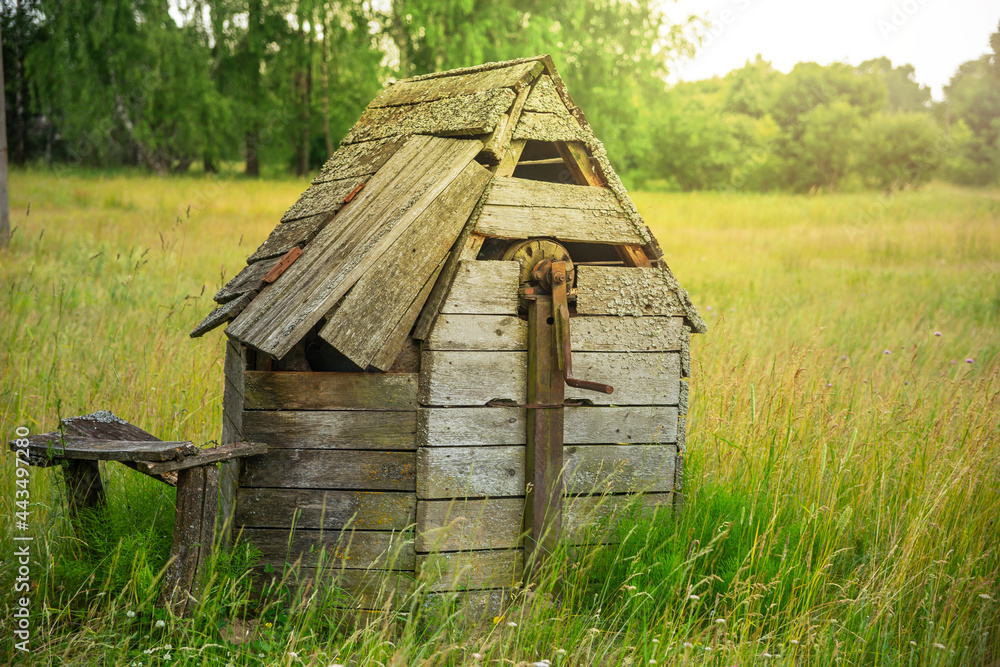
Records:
x=842, y=467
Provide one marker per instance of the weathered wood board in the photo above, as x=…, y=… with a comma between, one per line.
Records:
x=464, y=427
x=475, y=472
x=333, y=429
x=496, y=523
x=57, y=445
x=323, y=508
x=456, y=377
x=276, y=390
x=587, y=334
x=484, y=287
x=527, y=194
x=396, y=196
x=233, y=397
x=367, y=316
x=250, y=279
x=615, y=290
x=359, y=159
x=428, y=90
x=206, y=456
x=564, y=224
x=224, y=313
x=401, y=351
x=323, y=198
x=544, y=98
x=351, y=549
x=548, y=127
x=194, y=536
x=287, y=235
x=471, y=570
x=331, y=469
x=466, y=115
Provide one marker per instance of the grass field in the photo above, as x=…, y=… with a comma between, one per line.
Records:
x=843, y=470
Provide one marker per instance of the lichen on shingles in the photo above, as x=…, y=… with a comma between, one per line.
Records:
x=456, y=116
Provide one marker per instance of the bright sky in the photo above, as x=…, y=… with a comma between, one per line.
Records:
x=935, y=36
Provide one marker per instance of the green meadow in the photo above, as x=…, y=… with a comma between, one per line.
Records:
x=843, y=467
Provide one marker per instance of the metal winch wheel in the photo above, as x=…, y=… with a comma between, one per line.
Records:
x=529, y=253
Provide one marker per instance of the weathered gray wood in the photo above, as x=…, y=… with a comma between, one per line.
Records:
x=342, y=252
x=456, y=377
x=331, y=469
x=548, y=127
x=564, y=224
x=207, y=456
x=476, y=472
x=343, y=429
x=497, y=142
x=495, y=523
x=615, y=290
x=465, y=525
x=287, y=235
x=468, y=607
x=454, y=116
x=686, y=352
x=588, y=334
x=59, y=446
x=472, y=378
x=401, y=351
x=364, y=320
x=427, y=90
x=484, y=287
x=233, y=398
x=511, y=156
x=104, y=425
x=471, y=570
x=352, y=549
x=544, y=98
x=358, y=159
x=330, y=391
x=224, y=313
x=478, y=332
x=194, y=536
x=84, y=487
x=322, y=199
x=327, y=509
x=462, y=427
x=528, y=194
x=250, y=279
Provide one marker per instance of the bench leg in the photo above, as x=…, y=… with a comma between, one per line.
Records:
x=84, y=488
x=194, y=535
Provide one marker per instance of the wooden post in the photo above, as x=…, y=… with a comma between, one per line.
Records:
x=4, y=192
x=544, y=452
x=84, y=489
x=194, y=535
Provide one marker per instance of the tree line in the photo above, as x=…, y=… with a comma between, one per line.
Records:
x=274, y=84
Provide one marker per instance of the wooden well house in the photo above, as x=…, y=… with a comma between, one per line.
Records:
x=434, y=327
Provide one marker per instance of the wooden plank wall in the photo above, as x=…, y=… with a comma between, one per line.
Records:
x=470, y=457
x=339, y=478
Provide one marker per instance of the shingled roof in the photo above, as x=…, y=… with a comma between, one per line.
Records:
x=365, y=244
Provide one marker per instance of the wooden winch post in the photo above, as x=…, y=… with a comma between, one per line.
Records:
x=550, y=369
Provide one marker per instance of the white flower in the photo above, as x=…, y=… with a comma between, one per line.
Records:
x=913, y=643
x=561, y=651
x=793, y=641
x=986, y=596
x=765, y=654
x=477, y=656
x=166, y=657
x=293, y=655
x=688, y=645
x=160, y=623
x=130, y=614
x=335, y=665
x=693, y=597
x=167, y=647
x=939, y=647
x=652, y=661
x=540, y=663
x=511, y=624
x=655, y=640
x=720, y=621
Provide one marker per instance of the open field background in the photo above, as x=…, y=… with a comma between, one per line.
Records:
x=844, y=469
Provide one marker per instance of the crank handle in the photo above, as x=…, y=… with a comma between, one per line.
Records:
x=587, y=384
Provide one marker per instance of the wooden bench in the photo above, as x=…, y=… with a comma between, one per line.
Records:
x=84, y=441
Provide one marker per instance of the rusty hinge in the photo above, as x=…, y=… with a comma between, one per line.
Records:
x=282, y=265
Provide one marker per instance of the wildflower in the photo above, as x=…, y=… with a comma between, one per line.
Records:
x=969, y=361
x=293, y=655
x=166, y=657
x=511, y=624
x=986, y=596
x=913, y=643
x=267, y=625
x=793, y=641
x=843, y=357
x=939, y=647
x=887, y=352
x=693, y=597
x=688, y=645
x=594, y=631
x=336, y=665
x=652, y=661
x=130, y=614
x=720, y=621
x=655, y=640
x=937, y=333
x=477, y=656
x=160, y=623
x=765, y=654
x=541, y=663
x=148, y=651
x=168, y=647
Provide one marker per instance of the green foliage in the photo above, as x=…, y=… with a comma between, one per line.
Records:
x=901, y=150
